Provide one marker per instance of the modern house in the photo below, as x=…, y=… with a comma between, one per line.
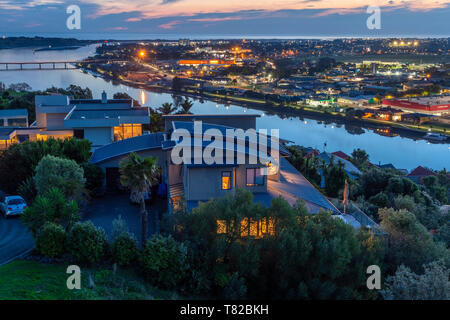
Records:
x=14, y=118
x=196, y=179
x=57, y=116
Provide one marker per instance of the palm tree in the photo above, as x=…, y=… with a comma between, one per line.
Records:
x=167, y=108
x=186, y=107
x=139, y=175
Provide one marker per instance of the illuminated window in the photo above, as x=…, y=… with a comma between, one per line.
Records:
x=127, y=131
x=226, y=180
x=254, y=177
x=221, y=227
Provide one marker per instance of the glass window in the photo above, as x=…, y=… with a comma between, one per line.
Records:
x=226, y=180
x=254, y=177
x=127, y=131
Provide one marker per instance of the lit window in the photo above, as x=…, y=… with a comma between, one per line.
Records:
x=226, y=180
x=221, y=227
x=126, y=131
x=254, y=177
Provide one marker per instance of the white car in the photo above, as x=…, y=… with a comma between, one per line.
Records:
x=13, y=206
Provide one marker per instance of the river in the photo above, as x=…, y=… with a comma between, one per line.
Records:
x=402, y=152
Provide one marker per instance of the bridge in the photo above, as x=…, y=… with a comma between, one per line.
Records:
x=48, y=65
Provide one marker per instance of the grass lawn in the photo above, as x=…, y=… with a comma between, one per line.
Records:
x=30, y=280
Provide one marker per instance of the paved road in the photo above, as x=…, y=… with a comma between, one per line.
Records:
x=15, y=239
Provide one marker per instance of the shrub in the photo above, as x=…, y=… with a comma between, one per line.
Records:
x=64, y=174
x=163, y=261
x=50, y=240
x=433, y=284
x=53, y=207
x=94, y=176
x=381, y=200
x=18, y=163
x=27, y=190
x=86, y=243
x=125, y=249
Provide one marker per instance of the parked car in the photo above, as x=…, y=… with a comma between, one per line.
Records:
x=12, y=206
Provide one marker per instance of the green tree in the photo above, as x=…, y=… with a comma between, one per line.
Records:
x=167, y=108
x=433, y=284
x=186, y=107
x=18, y=163
x=163, y=261
x=360, y=158
x=51, y=207
x=139, y=175
x=435, y=189
x=335, y=176
x=64, y=174
x=410, y=243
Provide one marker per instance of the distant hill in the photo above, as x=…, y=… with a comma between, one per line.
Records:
x=22, y=42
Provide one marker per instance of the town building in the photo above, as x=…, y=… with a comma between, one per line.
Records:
x=438, y=106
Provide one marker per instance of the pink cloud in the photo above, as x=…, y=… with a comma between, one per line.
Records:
x=170, y=25
x=118, y=28
x=215, y=19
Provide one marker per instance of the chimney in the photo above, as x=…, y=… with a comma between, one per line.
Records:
x=104, y=97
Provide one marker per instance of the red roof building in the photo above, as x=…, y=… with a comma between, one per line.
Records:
x=341, y=155
x=419, y=173
x=435, y=106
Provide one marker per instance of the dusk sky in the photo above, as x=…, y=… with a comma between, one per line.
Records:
x=230, y=17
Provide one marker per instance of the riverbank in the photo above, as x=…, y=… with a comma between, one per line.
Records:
x=388, y=128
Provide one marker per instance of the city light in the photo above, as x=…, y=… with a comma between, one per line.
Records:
x=143, y=97
x=142, y=53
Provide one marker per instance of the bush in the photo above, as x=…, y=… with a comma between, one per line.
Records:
x=94, y=176
x=163, y=261
x=433, y=284
x=53, y=207
x=64, y=174
x=86, y=243
x=125, y=249
x=50, y=240
x=18, y=163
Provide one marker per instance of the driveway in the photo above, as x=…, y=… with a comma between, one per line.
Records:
x=104, y=210
x=15, y=239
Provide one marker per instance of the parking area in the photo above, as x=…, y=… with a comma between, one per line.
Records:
x=103, y=211
x=15, y=239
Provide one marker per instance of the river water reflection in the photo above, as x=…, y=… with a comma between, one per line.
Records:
x=402, y=152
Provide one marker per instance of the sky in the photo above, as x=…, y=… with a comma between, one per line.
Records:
x=227, y=17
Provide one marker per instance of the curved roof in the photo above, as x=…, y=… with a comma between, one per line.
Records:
x=124, y=147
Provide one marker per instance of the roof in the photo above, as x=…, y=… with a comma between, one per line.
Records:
x=194, y=116
x=51, y=101
x=5, y=133
x=293, y=186
x=6, y=113
x=124, y=147
x=189, y=126
x=422, y=172
x=348, y=166
x=107, y=113
x=341, y=155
